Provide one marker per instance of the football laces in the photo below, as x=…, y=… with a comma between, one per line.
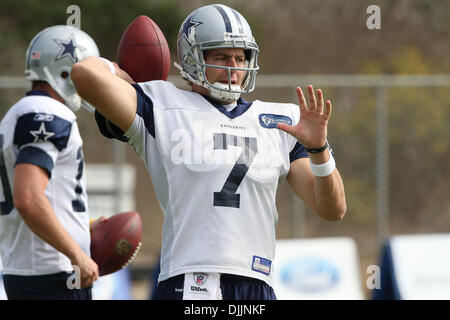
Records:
x=133, y=255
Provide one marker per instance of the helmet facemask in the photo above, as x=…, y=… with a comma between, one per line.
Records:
x=229, y=92
x=63, y=85
x=206, y=34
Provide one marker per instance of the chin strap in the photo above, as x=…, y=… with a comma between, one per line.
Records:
x=219, y=91
x=186, y=75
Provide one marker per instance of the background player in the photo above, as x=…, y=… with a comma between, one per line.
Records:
x=215, y=159
x=44, y=222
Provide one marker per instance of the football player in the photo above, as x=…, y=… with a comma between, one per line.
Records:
x=44, y=221
x=215, y=159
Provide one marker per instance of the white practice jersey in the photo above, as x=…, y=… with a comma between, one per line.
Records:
x=215, y=173
x=40, y=130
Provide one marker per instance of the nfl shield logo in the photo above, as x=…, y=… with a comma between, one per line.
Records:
x=200, y=278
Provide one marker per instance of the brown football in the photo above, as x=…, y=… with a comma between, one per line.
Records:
x=143, y=51
x=116, y=241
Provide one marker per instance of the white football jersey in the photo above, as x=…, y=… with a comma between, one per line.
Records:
x=42, y=131
x=215, y=173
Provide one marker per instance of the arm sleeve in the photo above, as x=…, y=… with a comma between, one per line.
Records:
x=40, y=137
x=39, y=127
x=36, y=156
x=144, y=110
x=108, y=129
x=297, y=152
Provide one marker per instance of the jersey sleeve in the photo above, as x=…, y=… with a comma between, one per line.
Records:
x=38, y=157
x=297, y=152
x=144, y=111
x=108, y=129
x=40, y=137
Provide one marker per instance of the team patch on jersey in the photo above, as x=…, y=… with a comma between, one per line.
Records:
x=40, y=127
x=261, y=265
x=268, y=120
x=41, y=134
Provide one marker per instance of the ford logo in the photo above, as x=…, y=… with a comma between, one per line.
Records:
x=309, y=275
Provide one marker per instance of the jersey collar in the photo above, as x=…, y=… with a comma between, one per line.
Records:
x=37, y=93
x=242, y=106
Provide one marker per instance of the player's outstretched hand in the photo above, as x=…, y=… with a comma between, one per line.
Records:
x=311, y=130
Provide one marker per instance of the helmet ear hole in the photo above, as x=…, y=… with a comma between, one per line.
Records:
x=64, y=74
x=248, y=54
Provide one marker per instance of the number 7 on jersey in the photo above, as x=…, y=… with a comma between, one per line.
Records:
x=227, y=197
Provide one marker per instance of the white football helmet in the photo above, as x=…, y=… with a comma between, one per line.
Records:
x=211, y=27
x=51, y=55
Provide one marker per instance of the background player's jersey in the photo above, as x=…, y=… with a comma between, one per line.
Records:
x=215, y=174
x=42, y=131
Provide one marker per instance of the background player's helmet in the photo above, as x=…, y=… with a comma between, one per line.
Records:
x=211, y=27
x=51, y=55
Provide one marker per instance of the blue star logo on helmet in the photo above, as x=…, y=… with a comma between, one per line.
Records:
x=67, y=49
x=187, y=26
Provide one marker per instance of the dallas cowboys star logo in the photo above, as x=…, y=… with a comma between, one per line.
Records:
x=187, y=26
x=68, y=48
x=41, y=134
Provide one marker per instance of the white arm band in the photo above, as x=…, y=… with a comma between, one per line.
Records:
x=110, y=65
x=325, y=169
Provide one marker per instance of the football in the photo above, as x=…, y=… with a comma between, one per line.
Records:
x=143, y=51
x=116, y=241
